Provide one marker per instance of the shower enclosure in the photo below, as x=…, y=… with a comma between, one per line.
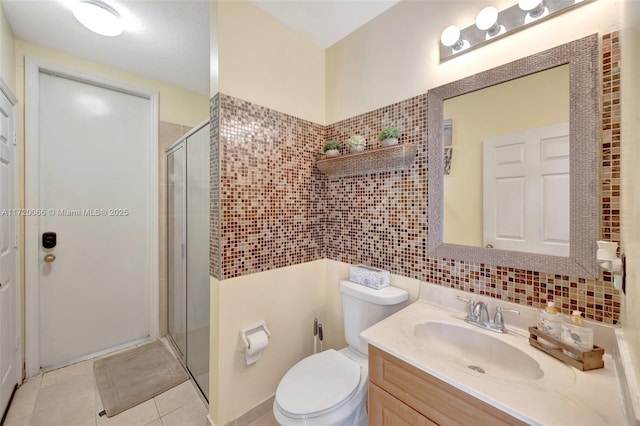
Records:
x=188, y=251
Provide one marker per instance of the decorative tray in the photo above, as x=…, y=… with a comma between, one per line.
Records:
x=589, y=360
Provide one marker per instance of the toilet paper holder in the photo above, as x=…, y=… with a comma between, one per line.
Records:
x=245, y=332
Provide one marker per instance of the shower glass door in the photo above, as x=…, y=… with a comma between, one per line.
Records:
x=176, y=250
x=198, y=257
x=188, y=252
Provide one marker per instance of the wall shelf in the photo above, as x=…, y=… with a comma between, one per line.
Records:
x=397, y=157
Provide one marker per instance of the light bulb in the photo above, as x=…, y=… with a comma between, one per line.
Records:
x=451, y=37
x=535, y=9
x=529, y=5
x=487, y=20
x=98, y=17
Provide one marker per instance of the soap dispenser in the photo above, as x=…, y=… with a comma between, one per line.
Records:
x=550, y=322
x=577, y=334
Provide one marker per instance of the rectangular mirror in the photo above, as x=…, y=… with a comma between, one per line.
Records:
x=509, y=185
x=522, y=189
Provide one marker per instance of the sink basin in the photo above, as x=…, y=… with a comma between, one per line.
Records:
x=477, y=351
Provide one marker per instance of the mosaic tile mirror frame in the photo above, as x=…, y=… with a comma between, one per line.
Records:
x=582, y=57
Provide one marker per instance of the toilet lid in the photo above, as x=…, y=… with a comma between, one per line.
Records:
x=318, y=383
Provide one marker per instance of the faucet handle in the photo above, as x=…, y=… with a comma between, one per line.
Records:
x=472, y=306
x=465, y=299
x=501, y=309
x=498, y=320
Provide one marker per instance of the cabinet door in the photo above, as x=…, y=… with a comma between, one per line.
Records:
x=430, y=396
x=386, y=410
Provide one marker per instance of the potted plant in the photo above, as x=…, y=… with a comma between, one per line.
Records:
x=356, y=143
x=389, y=136
x=331, y=148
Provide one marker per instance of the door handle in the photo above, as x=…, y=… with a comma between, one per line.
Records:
x=49, y=258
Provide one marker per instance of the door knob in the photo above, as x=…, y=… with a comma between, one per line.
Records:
x=49, y=258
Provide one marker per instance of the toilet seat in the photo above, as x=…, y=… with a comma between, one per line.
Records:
x=318, y=384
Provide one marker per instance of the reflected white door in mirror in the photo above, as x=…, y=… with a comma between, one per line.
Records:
x=526, y=191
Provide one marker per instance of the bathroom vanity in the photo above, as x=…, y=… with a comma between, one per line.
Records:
x=400, y=392
x=428, y=366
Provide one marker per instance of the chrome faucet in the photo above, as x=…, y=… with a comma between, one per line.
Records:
x=478, y=315
x=481, y=312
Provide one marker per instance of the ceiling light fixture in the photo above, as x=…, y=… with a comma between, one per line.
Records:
x=99, y=17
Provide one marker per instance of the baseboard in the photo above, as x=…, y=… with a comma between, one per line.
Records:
x=253, y=414
x=210, y=421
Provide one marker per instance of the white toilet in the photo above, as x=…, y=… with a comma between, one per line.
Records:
x=330, y=387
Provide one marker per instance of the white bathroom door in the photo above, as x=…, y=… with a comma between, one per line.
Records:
x=9, y=339
x=526, y=190
x=93, y=191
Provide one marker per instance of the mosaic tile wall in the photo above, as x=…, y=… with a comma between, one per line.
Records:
x=610, y=137
x=214, y=188
x=380, y=219
x=271, y=191
x=277, y=209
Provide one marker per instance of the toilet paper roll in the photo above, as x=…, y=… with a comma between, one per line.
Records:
x=257, y=342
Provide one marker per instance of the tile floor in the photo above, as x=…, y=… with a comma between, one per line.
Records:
x=69, y=397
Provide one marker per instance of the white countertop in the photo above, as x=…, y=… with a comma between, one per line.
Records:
x=564, y=396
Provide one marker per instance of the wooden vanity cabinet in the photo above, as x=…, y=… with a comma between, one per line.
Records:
x=401, y=394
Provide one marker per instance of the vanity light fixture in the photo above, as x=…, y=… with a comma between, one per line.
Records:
x=487, y=20
x=98, y=17
x=535, y=9
x=492, y=24
x=450, y=37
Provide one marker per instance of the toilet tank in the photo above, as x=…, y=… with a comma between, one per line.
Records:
x=363, y=307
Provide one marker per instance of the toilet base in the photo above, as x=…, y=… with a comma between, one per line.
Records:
x=357, y=418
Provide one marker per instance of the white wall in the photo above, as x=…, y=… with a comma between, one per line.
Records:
x=7, y=53
x=630, y=58
x=213, y=47
x=262, y=61
x=396, y=55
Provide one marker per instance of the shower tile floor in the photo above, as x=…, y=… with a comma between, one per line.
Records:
x=69, y=397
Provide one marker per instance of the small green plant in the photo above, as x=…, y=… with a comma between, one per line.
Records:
x=328, y=145
x=356, y=140
x=389, y=132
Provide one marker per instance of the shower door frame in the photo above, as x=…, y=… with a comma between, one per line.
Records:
x=181, y=143
x=172, y=150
